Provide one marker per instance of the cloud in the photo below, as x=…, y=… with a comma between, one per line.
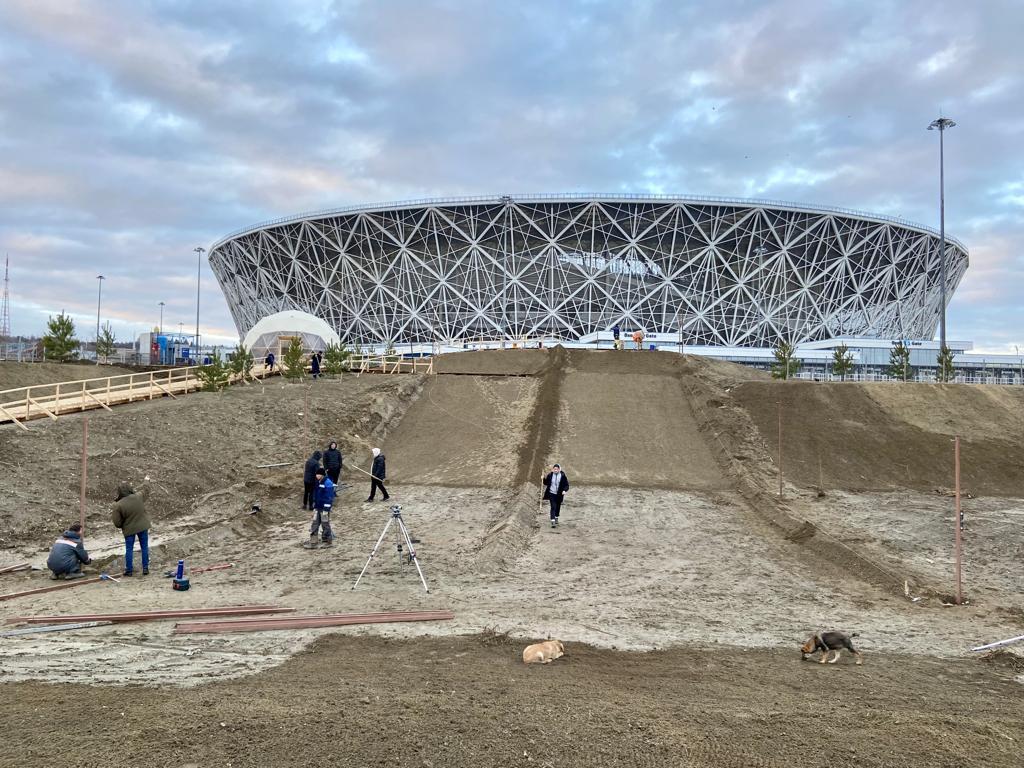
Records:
x=132, y=132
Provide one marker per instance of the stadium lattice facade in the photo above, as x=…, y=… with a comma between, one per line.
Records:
x=706, y=271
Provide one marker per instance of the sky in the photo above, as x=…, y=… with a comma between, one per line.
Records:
x=132, y=132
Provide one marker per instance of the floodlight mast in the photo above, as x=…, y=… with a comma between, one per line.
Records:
x=941, y=124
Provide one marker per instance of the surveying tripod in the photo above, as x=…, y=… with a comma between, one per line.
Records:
x=402, y=534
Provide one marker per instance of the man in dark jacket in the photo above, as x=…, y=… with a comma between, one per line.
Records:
x=332, y=462
x=555, y=486
x=130, y=516
x=378, y=472
x=68, y=555
x=309, y=479
x=314, y=365
x=322, y=511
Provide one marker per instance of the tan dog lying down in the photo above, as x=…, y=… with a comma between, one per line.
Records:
x=543, y=653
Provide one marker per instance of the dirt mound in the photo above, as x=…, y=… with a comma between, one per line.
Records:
x=13, y=375
x=188, y=446
x=463, y=431
x=470, y=701
x=871, y=438
x=493, y=362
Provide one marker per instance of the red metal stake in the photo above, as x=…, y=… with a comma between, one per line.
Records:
x=85, y=463
x=779, y=403
x=956, y=523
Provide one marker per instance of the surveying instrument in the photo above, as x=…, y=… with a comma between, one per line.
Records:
x=401, y=534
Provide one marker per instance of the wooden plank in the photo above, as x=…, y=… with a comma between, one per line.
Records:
x=10, y=416
x=101, y=403
x=15, y=568
x=40, y=407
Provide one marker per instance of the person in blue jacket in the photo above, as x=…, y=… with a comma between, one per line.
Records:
x=68, y=555
x=322, y=503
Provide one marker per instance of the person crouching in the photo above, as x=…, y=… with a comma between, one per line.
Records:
x=68, y=555
x=322, y=502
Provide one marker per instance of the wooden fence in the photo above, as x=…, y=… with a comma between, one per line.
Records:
x=389, y=364
x=51, y=400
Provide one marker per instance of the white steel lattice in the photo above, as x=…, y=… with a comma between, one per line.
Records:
x=716, y=272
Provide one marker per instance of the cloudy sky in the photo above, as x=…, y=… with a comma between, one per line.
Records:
x=132, y=131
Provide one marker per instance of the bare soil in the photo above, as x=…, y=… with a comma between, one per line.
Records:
x=681, y=585
x=469, y=701
x=13, y=375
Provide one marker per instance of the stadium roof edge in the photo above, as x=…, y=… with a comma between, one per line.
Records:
x=443, y=202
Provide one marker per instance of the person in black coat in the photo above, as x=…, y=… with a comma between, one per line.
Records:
x=309, y=481
x=379, y=472
x=555, y=486
x=314, y=365
x=332, y=462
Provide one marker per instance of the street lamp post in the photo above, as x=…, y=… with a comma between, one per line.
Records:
x=199, y=251
x=160, y=328
x=99, y=298
x=941, y=124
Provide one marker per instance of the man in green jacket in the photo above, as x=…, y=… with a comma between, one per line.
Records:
x=130, y=516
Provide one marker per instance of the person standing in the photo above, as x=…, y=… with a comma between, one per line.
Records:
x=130, y=516
x=617, y=336
x=555, y=486
x=269, y=362
x=68, y=555
x=314, y=365
x=638, y=339
x=377, y=473
x=332, y=462
x=322, y=511
x=309, y=480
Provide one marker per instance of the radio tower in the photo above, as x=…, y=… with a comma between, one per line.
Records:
x=5, y=307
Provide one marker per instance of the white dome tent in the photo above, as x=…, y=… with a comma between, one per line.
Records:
x=275, y=332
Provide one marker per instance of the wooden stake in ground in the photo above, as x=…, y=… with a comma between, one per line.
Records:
x=85, y=470
x=957, y=522
x=305, y=421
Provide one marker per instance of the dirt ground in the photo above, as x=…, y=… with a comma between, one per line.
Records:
x=14, y=375
x=468, y=701
x=681, y=597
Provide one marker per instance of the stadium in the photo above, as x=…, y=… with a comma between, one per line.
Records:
x=692, y=270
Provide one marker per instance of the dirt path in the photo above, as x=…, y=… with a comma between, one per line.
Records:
x=470, y=701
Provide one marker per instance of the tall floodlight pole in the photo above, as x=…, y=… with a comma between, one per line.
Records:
x=99, y=297
x=941, y=124
x=160, y=328
x=199, y=251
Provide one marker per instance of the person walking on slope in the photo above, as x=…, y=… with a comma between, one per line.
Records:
x=332, y=462
x=322, y=511
x=130, y=516
x=555, y=486
x=68, y=555
x=309, y=479
x=378, y=472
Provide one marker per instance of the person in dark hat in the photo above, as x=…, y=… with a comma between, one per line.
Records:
x=309, y=479
x=322, y=511
x=555, y=486
x=332, y=462
x=68, y=555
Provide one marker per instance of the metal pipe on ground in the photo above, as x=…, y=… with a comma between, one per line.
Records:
x=54, y=588
x=184, y=613
x=16, y=568
x=54, y=628
x=309, y=622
